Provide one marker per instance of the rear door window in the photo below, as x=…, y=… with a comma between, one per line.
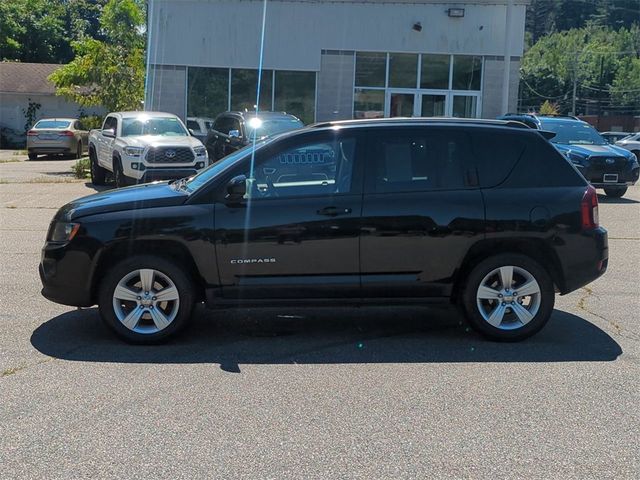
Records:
x=416, y=160
x=496, y=154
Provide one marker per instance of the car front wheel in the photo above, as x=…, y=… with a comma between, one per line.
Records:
x=508, y=297
x=615, y=192
x=146, y=299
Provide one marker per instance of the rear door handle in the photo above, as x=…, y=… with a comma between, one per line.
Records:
x=334, y=211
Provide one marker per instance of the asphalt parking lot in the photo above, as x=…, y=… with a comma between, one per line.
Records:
x=326, y=393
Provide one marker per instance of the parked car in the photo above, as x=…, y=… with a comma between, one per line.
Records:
x=606, y=166
x=234, y=130
x=200, y=126
x=484, y=214
x=631, y=143
x=136, y=147
x=613, y=137
x=57, y=136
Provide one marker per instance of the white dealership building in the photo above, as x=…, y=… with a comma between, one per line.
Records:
x=337, y=59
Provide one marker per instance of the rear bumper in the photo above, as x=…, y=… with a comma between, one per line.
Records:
x=48, y=150
x=591, y=261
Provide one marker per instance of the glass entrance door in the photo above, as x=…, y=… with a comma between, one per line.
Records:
x=400, y=104
x=464, y=106
x=433, y=105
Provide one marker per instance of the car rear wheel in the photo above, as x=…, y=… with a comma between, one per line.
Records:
x=98, y=174
x=508, y=297
x=615, y=192
x=146, y=299
x=78, y=155
x=33, y=156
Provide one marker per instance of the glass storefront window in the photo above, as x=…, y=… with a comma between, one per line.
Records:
x=467, y=71
x=371, y=69
x=244, y=85
x=207, y=91
x=368, y=103
x=295, y=93
x=435, y=71
x=403, y=70
x=464, y=106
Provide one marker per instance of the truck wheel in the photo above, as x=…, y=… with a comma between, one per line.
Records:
x=119, y=178
x=98, y=174
x=146, y=299
x=508, y=297
x=33, y=156
x=615, y=192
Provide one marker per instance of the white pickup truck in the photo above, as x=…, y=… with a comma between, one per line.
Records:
x=136, y=147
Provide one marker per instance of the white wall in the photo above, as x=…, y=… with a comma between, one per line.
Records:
x=12, y=105
x=226, y=33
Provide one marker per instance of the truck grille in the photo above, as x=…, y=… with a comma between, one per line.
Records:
x=170, y=155
x=609, y=162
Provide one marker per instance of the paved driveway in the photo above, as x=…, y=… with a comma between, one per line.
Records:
x=326, y=393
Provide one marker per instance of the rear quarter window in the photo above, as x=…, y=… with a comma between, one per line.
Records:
x=496, y=153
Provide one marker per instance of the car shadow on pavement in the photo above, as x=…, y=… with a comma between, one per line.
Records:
x=616, y=201
x=324, y=336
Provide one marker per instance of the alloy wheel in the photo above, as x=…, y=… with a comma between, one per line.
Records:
x=146, y=301
x=508, y=297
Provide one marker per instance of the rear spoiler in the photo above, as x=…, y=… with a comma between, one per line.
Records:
x=547, y=134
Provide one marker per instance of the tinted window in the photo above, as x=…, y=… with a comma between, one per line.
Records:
x=315, y=168
x=271, y=126
x=193, y=125
x=52, y=124
x=224, y=124
x=496, y=154
x=420, y=160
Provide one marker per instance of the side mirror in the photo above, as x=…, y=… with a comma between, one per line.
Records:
x=193, y=134
x=234, y=133
x=109, y=132
x=236, y=188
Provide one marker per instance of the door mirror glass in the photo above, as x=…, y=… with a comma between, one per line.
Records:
x=109, y=132
x=234, y=133
x=236, y=188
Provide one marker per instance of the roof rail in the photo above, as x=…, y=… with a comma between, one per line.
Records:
x=417, y=120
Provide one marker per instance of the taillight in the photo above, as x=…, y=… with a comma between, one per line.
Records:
x=589, y=208
x=32, y=133
x=66, y=133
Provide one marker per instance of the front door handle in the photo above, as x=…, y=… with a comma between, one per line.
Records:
x=334, y=211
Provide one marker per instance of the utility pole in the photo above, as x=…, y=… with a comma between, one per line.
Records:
x=575, y=83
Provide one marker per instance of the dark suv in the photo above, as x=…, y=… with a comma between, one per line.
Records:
x=606, y=166
x=485, y=214
x=233, y=130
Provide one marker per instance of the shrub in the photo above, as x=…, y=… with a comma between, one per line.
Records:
x=81, y=169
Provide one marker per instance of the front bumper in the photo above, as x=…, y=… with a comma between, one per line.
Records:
x=152, y=174
x=602, y=176
x=65, y=275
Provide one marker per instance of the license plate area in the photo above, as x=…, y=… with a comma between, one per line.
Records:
x=48, y=136
x=610, y=178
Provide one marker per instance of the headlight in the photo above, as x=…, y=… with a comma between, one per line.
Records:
x=63, y=232
x=133, y=151
x=200, y=151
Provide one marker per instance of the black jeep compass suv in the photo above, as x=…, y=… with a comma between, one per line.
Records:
x=485, y=214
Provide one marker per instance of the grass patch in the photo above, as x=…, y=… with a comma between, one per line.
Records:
x=20, y=152
x=81, y=169
x=51, y=180
x=10, y=160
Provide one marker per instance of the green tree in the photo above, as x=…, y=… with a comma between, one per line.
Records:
x=109, y=72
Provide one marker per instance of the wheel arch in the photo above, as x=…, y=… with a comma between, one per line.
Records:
x=536, y=249
x=170, y=250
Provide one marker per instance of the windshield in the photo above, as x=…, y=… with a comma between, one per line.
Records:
x=159, y=126
x=197, y=181
x=53, y=124
x=573, y=133
x=266, y=128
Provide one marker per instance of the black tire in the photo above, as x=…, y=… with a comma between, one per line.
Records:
x=180, y=279
x=615, y=192
x=98, y=174
x=33, y=156
x=119, y=178
x=516, y=333
x=78, y=154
